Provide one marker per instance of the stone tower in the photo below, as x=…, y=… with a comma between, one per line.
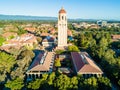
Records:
x=62, y=28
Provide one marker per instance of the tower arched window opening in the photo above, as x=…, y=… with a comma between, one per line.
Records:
x=59, y=17
x=62, y=17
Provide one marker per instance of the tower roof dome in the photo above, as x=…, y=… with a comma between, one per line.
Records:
x=62, y=10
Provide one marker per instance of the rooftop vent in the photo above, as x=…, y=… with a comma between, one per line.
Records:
x=84, y=59
x=43, y=58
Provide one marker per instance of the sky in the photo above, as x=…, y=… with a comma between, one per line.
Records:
x=84, y=9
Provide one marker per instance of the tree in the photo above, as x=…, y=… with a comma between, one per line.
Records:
x=80, y=80
x=27, y=56
x=41, y=84
x=6, y=62
x=74, y=83
x=101, y=47
x=82, y=41
x=73, y=48
x=109, y=56
x=21, y=31
x=15, y=52
x=51, y=78
x=57, y=63
x=16, y=84
x=18, y=73
x=111, y=65
x=90, y=84
x=27, y=53
x=44, y=76
x=2, y=77
x=35, y=84
x=70, y=26
x=62, y=82
x=103, y=43
x=119, y=82
x=104, y=83
x=1, y=40
x=59, y=51
x=23, y=62
x=116, y=44
x=39, y=39
x=92, y=43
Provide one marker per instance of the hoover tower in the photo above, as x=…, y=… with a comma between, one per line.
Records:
x=62, y=28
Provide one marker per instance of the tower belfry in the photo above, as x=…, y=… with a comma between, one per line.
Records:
x=62, y=28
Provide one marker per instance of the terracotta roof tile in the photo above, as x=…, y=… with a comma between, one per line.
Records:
x=115, y=36
x=45, y=66
x=62, y=10
x=84, y=64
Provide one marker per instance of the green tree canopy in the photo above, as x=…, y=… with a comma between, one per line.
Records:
x=51, y=78
x=23, y=62
x=90, y=84
x=74, y=83
x=21, y=31
x=1, y=40
x=16, y=84
x=57, y=63
x=104, y=83
x=62, y=82
x=35, y=84
x=73, y=48
x=6, y=62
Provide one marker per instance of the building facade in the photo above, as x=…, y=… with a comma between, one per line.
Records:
x=62, y=28
x=102, y=23
x=49, y=41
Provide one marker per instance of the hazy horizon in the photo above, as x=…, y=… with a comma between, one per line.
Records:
x=56, y=17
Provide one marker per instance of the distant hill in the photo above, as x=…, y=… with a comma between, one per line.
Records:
x=22, y=17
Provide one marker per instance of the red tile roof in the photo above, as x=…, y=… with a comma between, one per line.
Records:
x=36, y=61
x=45, y=66
x=69, y=32
x=20, y=41
x=62, y=10
x=8, y=34
x=30, y=29
x=115, y=36
x=83, y=63
x=44, y=34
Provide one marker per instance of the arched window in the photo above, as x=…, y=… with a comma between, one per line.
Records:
x=62, y=17
x=59, y=17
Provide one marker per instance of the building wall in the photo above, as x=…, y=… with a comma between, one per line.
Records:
x=46, y=44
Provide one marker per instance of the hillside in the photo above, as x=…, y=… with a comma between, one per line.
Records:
x=22, y=17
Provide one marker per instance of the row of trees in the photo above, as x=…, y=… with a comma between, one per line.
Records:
x=61, y=82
